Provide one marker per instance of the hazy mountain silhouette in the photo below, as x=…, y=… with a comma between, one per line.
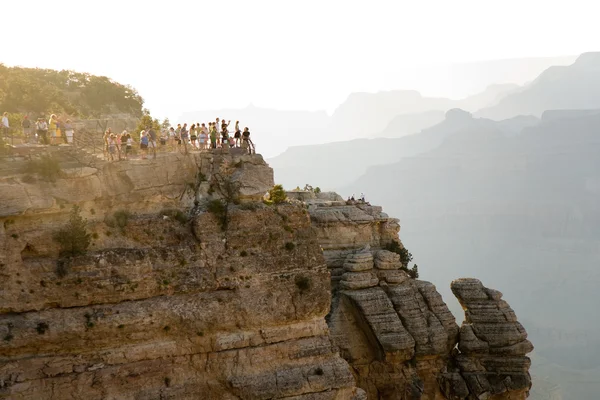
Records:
x=576, y=86
x=401, y=112
x=334, y=165
x=520, y=212
x=405, y=124
x=490, y=96
x=363, y=114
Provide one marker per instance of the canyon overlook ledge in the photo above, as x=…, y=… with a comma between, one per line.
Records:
x=193, y=288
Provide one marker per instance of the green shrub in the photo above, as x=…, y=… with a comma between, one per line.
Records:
x=319, y=371
x=219, y=209
x=302, y=283
x=277, y=195
x=289, y=246
x=121, y=218
x=216, y=207
x=73, y=238
x=413, y=272
x=244, y=253
x=405, y=256
x=46, y=167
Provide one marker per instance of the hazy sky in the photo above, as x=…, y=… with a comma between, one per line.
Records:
x=190, y=55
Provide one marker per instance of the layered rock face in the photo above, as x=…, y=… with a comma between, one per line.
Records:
x=178, y=296
x=193, y=288
x=397, y=333
x=492, y=345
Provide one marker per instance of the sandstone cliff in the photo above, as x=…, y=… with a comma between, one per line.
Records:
x=219, y=304
x=396, y=332
x=193, y=288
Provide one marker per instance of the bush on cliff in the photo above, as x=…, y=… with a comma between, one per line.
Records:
x=405, y=255
x=277, y=195
x=405, y=258
x=119, y=219
x=73, y=238
x=219, y=209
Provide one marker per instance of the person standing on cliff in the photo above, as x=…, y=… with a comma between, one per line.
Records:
x=69, y=131
x=203, y=136
x=105, y=140
x=144, y=144
x=152, y=136
x=112, y=146
x=42, y=130
x=52, y=127
x=246, y=141
x=213, y=135
x=26, y=125
x=4, y=124
x=184, y=137
x=224, y=135
x=193, y=135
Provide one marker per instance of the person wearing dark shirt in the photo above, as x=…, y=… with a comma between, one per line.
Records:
x=152, y=137
x=246, y=141
x=26, y=125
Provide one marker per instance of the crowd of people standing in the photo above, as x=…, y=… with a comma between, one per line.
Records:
x=53, y=131
x=181, y=138
x=120, y=146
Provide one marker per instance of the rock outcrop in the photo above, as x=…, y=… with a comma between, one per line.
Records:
x=191, y=288
x=397, y=333
x=492, y=345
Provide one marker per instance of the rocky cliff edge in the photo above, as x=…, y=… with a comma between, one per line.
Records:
x=193, y=288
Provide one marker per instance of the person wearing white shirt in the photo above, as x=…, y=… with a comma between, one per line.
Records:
x=5, y=126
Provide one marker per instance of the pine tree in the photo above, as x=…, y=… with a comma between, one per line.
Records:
x=73, y=238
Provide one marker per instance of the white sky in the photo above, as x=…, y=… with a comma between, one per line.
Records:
x=308, y=54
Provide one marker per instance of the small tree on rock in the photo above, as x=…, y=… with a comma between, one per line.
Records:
x=73, y=238
x=277, y=195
